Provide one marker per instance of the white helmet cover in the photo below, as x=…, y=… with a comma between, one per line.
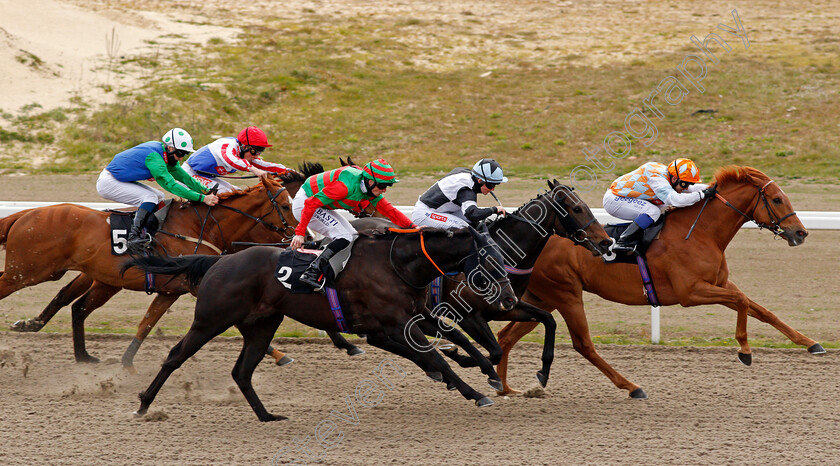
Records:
x=179, y=139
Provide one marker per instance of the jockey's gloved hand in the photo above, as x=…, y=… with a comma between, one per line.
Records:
x=709, y=192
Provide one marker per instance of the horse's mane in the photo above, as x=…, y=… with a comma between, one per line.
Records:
x=384, y=234
x=733, y=174
x=305, y=170
x=240, y=192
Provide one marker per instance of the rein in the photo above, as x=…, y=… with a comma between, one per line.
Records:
x=200, y=240
x=422, y=247
x=775, y=222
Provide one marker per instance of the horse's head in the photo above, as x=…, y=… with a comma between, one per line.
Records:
x=269, y=205
x=574, y=219
x=485, y=271
x=770, y=206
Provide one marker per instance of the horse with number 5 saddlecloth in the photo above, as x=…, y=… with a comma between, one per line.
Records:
x=43, y=244
x=374, y=291
x=689, y=270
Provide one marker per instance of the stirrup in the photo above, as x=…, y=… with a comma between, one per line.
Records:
x=624, y=247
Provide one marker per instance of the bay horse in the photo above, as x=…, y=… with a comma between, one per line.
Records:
x=42, y=244
x=521, y=237
x=375, y=290
x=688, y=272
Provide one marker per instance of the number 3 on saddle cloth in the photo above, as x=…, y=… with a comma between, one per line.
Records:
x=651, y=233
x=291, y=265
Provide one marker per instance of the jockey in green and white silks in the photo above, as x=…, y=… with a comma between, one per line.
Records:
x=342, y=188
x=153, y=160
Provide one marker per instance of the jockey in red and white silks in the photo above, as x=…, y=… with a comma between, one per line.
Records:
x=229, y=155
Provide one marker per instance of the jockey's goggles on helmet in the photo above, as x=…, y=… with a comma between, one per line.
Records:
x=181, y=153
x=256, y=150
x=382, y=186
x=685, y=184
x=491, y=186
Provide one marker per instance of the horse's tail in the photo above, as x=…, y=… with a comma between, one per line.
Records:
x=194, y=267
x=6, y=225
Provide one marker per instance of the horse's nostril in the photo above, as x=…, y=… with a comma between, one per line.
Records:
x=802, y=233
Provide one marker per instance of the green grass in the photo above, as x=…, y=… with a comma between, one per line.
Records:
x=349, y=88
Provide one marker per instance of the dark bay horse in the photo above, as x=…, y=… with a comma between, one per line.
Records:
x=376, y=293
x=521, y=237
x=43, y=244
x=689, y=272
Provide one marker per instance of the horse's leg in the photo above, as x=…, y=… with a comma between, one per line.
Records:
x=197, y=336
x=573, y=313
x=434, y=360
x=257, y=337
x=507, y=337
x=340, y=343
x=764, y=315
x=280, y=357
x=156, y=310
x=98, y=294
x=706, y=293
x=452, y=334
x=67, y=295
x=16, y=279
x=524, y=312
x=383, y=342
x=476, y=326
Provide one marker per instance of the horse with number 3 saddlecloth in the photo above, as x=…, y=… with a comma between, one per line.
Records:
x=686, y=270
x=374, y=291
x=43, y=244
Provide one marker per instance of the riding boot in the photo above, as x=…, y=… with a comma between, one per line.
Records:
x=628, y=240
x=317, y=268
x=136, y=242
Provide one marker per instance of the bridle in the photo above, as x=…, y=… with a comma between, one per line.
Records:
x=574, y=230
x=775, y=221
x=287, y=231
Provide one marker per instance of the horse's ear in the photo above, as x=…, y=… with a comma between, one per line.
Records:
x=551, y=184
x=342, y=162
x=350, y=162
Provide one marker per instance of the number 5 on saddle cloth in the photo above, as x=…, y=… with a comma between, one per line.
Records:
x=121, y=222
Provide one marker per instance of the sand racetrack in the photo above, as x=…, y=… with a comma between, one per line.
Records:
x=704, y=408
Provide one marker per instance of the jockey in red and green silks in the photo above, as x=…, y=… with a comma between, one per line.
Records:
x=342, y=188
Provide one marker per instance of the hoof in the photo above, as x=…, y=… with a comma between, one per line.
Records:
x=355, y=351
x=484, y=402
x=816, y=348
x=272, y=418
x=542, y=379
x=436, y=376
x=138, y=414
x=284, y=360
x=496, y=384
x=746, y=359
x=451, y=386
x=447, y=347
x=638, y=394
x=130, y=369
x=31, y=325
x=87, y=359
x=509, y=391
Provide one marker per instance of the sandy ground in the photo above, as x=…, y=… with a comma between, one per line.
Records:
x=704, y=408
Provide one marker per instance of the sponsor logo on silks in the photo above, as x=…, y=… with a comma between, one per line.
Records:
x=438, y=217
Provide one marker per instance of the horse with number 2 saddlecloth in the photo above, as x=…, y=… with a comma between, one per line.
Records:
x=689, y=270
x=374, y=292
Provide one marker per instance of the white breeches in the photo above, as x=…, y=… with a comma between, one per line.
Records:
x=127, y=192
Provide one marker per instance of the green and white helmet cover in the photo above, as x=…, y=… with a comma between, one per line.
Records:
x=179, y=139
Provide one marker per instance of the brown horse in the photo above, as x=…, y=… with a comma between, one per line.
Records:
x=689, y=272
x=43, y=244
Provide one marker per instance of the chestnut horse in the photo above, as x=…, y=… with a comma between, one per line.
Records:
x=44, y=243
x=690, y=272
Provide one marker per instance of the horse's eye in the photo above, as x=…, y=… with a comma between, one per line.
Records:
x=777, y=201
x=577, y=210
x=286, y=208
